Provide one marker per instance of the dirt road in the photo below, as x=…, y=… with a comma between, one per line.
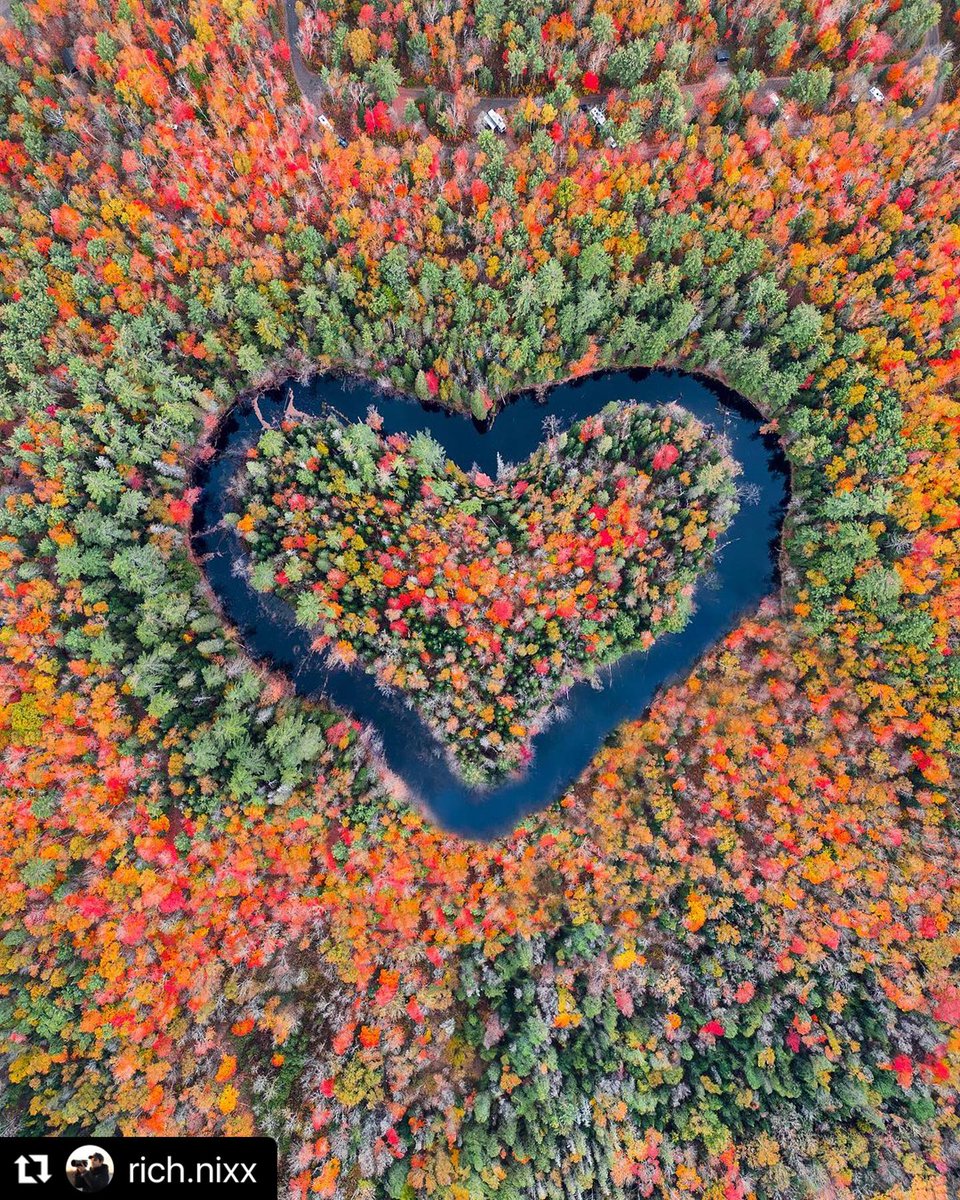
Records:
x=311, y=88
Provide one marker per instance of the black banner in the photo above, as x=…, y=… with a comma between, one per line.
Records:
x=138, y=1166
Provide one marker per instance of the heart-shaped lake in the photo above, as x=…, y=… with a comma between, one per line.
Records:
x=743, y=571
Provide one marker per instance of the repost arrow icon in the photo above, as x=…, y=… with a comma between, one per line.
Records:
x=39, y=1168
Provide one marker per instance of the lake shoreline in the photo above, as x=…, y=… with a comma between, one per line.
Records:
x=393, y=738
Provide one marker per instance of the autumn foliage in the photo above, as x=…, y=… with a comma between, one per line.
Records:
x=724, y=965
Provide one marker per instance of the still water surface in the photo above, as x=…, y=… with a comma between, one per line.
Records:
x=745, y=571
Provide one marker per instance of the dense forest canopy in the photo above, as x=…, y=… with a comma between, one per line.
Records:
x=723, y=965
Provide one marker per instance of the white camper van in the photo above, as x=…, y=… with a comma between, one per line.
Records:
x=493, y=121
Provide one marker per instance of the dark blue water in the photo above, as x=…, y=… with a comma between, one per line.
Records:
x=745, y=571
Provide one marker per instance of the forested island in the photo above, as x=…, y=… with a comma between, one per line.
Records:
x=486, y=599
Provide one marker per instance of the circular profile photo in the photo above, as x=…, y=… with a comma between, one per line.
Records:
x=89, y=1169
